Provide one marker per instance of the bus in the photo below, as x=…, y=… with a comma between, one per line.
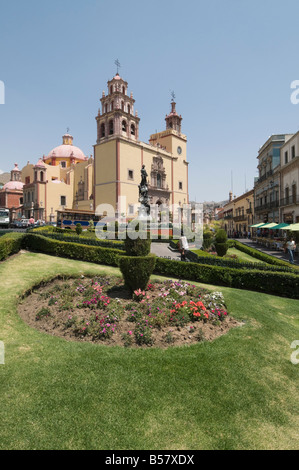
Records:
x=4, y=218
x=70, y=218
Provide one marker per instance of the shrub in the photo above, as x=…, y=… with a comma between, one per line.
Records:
x=221, y=244
x=258, y=254
x=138, y=247
x=92, y=254
x=10, y=244
x=79, y=229
x=221, y=249
x=136, y=271
x=207, y=239
x=284, y=284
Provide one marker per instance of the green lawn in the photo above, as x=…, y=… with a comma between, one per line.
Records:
x=243, y=256
x=239, y=392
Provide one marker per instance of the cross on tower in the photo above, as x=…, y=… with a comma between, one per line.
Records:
x=117, y=63
x=67, y=130
x=173, y=96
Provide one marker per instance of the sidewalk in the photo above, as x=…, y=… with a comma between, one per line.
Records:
x=163, y=251
x=276, y=254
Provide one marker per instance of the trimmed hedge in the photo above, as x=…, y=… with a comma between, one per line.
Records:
x=258, y=254
x=93, y=254
x=138, y=247
x=74, y=238
x=203, y=257
x=137, y=270
x=284, y=284
x=10, y=244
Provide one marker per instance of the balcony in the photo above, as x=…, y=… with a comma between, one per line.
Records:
x=267, y=207
x=240, y=218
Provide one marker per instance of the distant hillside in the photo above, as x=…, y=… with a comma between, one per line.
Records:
x=4, y=178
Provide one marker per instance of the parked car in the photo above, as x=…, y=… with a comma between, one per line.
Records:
x=25, y=223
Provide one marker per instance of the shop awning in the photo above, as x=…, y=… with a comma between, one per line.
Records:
x=257, y=225
x=280, y=226
x=269, y=226
x=293, y=227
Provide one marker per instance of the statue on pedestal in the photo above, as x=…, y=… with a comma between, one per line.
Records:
x=143, y=192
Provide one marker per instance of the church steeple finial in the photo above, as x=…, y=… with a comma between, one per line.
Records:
x=173, y=120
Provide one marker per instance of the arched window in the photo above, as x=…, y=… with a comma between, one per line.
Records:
x=124, y=126
x=106, y=108
x=159, y=184
x=112, y=105
x=122, y=106
x=111, y=90
x=103, y=130
x=35, y=175
x=129, y=109
x=132, y=129
x=124, y=90
x=42, y=176
x=111, y=128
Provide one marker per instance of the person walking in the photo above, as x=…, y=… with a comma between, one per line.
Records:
x=291, y=247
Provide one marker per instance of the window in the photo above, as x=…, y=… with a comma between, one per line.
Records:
x=124, y=90
x=293, y=152
x=159, y=183
x=294, y=195
x=131, y=209
x=180, y=185
x=63, y=200
x=132, y=129
x=286, y=157
x=103, y=130
x=124, y=126
x=130, y=174
x=106, y=108
x=129, y=109
x=27, y=180
x=111, y=128
x=63, y=164
x=112, y=106
x=42, y=176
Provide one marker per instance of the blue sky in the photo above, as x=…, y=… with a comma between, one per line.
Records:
x=230, y=63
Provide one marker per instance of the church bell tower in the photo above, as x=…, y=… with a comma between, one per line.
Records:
x=117, y=118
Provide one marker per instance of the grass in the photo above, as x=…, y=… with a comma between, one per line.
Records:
x=239, y=392
x=243, y=256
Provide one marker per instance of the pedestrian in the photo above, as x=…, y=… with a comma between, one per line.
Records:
x=291, y=247
x=183, y=255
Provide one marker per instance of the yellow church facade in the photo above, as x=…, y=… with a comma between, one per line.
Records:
x=119, y=155
x=66, y=181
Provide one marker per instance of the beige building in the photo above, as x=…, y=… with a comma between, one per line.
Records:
x=238, y=214
x=119, y=155
x=61, y=180
x=289, y=181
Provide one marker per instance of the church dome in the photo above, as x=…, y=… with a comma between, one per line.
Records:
x=67, y=150
x=11, y=185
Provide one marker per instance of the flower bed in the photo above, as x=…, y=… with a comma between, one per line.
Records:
x=102, y=310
